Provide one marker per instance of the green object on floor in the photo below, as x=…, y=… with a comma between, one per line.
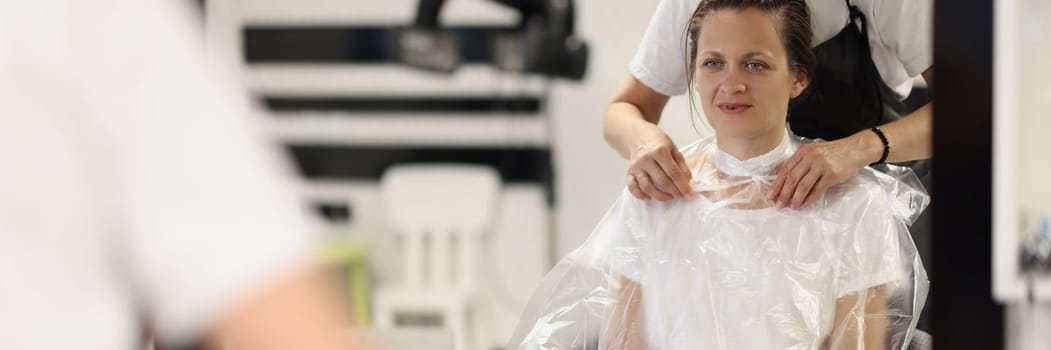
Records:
x=353, y=254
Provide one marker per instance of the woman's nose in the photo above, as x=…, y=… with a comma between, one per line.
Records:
x=733, y=83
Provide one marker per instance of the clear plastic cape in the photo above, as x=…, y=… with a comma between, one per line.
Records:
x=727, y=270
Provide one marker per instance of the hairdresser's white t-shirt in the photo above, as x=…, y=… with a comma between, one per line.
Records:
x=137, y=188
x=899, y=35
x=713, y=277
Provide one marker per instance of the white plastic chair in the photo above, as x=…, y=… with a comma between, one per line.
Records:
x=440, y=212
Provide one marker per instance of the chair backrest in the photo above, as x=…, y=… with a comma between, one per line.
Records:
x=440, y=212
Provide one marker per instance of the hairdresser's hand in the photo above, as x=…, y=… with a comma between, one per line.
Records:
x=657, y=169
x=816, y=167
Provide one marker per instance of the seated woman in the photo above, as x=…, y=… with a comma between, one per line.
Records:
x=726, y=269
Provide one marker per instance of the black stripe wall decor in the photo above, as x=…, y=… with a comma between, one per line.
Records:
x=515, y=165
x=360, y=160
x=464, y=105
x=353, y=44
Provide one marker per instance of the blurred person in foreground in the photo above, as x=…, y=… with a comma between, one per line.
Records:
x=138, y=194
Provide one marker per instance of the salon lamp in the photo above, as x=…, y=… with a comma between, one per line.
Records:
x=542, y=43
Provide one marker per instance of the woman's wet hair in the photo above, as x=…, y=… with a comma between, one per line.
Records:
x=791, y=18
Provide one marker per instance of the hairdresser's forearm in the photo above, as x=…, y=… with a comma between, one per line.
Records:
x=625, y=128
x=299, y=311
x=909, y=137
x=631, y=118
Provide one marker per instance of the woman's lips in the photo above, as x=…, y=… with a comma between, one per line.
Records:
x=734, y=108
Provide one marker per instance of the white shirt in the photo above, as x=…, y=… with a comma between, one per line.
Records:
x=899, y=35
x=715, y=277
x=727, y=271
x=136, y=186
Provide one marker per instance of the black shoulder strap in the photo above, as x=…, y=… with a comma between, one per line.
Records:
x=854, y=12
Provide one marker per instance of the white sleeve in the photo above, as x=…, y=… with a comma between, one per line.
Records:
x=906, y=26
x=210, y=212
x=871, y=251
x=659, y=62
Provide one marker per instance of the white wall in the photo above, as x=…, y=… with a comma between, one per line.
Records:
x=1021, y=167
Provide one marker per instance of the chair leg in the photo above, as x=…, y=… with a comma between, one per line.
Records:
x=482, y=339
x=456, y=321
x=384, y=316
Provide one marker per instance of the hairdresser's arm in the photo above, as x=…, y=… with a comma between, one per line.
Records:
x=300, y=311
x=656, y=168
x=816, y=167
x=861, y=321
x=626, y=328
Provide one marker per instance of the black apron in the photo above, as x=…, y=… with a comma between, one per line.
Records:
x=846, y=95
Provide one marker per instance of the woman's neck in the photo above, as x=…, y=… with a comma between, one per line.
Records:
x=745, y=148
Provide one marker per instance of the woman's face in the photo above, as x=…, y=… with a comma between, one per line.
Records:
x=742, y=74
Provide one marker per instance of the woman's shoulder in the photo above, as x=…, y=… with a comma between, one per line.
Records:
x=696, y=153
x=857, y=192
x=897, y=192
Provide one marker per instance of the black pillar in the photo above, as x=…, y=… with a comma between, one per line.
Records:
x=964, y=313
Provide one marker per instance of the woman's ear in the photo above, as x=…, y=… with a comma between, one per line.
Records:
x=800, y=83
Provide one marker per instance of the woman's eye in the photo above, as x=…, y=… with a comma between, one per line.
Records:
x=712, y=64
x=755, y=66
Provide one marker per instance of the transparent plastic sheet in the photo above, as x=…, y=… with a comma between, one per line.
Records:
x=727, y=270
